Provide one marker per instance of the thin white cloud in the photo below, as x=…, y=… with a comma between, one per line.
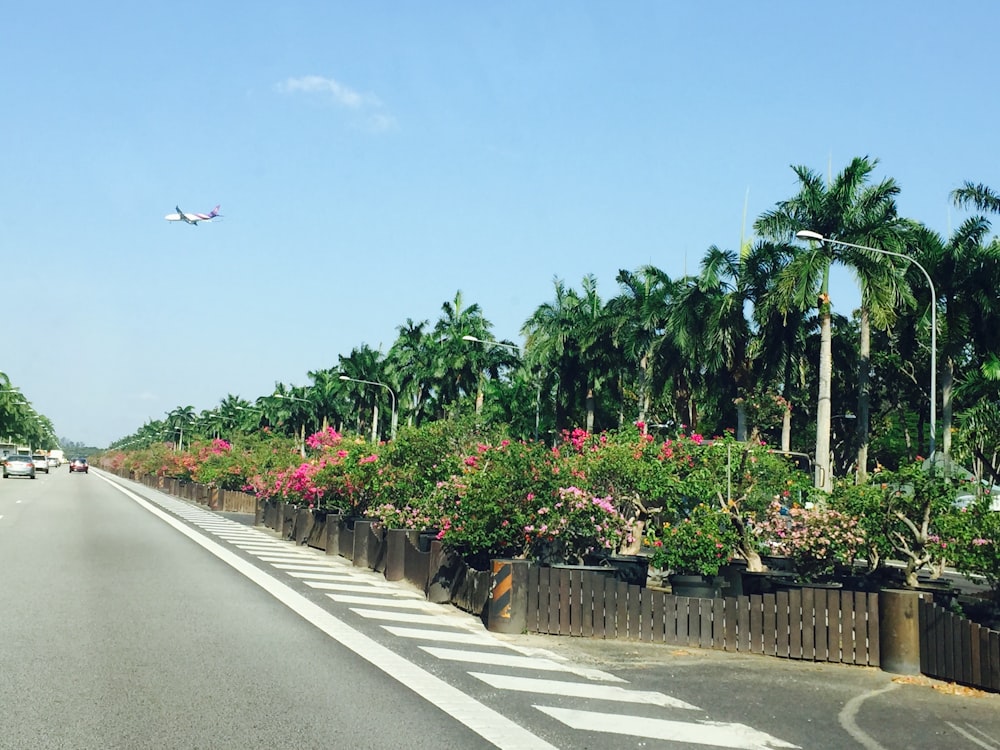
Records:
x=343, y=95
x=373, y=117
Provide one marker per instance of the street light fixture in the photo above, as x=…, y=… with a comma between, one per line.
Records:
x=517, y=350
x=806, y=234
x=392, y=396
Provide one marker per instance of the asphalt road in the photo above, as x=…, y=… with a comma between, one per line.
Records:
x=129, y=619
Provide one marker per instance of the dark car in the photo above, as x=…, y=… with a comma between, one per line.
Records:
x=78, y=464
x=18, y=466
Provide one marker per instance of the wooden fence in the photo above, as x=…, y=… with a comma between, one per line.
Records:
x=814, y=624
x=958, y=650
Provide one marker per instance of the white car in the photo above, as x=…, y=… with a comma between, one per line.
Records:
x=53, y=462
x=41, y=462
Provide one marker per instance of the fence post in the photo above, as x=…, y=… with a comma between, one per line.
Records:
x=899, y=630
x=361, y=531
x=508, y=603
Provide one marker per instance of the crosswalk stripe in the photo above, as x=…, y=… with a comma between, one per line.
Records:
x=521, y=662
x=290, y=558
x=580, y=690
x=443, y=636
x=316, y=567
x=716, y=734
x=413, y=618
x=382, y=601
x=361, y=588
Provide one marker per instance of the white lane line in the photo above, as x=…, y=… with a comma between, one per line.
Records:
x=716, y=734
x=313, y=575
x=987, y=745
x=409, y=617
x=580, y=690
x=443, y=636
x=268, y=557
x=358, y=588
x=520, y=662
x=383, y=601
x=484, y=721
x=315, y=567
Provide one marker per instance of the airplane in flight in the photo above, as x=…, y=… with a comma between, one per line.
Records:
x=193, y=218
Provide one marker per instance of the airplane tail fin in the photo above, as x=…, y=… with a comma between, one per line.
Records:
x=215, y=211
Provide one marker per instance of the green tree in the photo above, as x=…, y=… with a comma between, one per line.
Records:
x=848, y=209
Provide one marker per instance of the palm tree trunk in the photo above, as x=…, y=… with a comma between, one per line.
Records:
x=824, y=471
x=590, y=408
x=864, y=371
x=741, y=420
x=947, y=414
x=786, y=428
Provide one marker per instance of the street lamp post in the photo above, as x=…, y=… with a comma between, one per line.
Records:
x=302, y=427
x=517, y=350
x=805, y=234
x=392, y=397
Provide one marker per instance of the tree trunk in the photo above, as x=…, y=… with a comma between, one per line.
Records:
x=741, y=420
x=824, y=471
x=864, y=377
x=947, y=383
x=590, y=409
x=786, y=428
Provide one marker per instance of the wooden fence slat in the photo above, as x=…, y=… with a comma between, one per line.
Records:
x=621, y=612
x=782, y=617
x=646, y=614
x=672, y=624
x=756, y=629
x=743, y=623
x=728, y=640
x=633, y=613
x=849, y=649
x=975, y=673
x=707, y=608
x=587, y=604
x=872, y=620
x=769, y=645
x=950, y=673
x=605, y=626
x=810, y=624
x=994, y=650
x=575, y=602
x=659, y=628
x=796, y=624
x=682, y=632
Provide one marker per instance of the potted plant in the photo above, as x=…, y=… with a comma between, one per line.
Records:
x=693, y=549
x=574, y=525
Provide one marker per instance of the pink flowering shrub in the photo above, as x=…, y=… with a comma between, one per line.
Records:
x=816, y=539
x=572, y=526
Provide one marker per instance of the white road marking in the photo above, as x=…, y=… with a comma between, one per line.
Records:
x=360, y=588
x=487, y=723
x=716, y=734
x=443, y=636
x=521, y=662
x=383, y=601
x=314, y=567
x=410, y=617
x=580, y=690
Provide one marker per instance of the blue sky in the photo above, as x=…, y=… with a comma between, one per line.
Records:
x=373, y=159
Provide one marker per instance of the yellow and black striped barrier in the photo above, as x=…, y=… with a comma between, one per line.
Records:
x=508, y=596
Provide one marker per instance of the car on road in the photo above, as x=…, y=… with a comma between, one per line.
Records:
x=78, y=464
x=17, y=465
x=52, y=461
x=41, y=462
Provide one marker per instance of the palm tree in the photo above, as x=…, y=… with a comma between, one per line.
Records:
x=459, y=367
x=966, y=273
x=410, y=364
x=978, y=196
x=178, y=419
x=637, y=318
x=549, y=336
x=851, y=210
